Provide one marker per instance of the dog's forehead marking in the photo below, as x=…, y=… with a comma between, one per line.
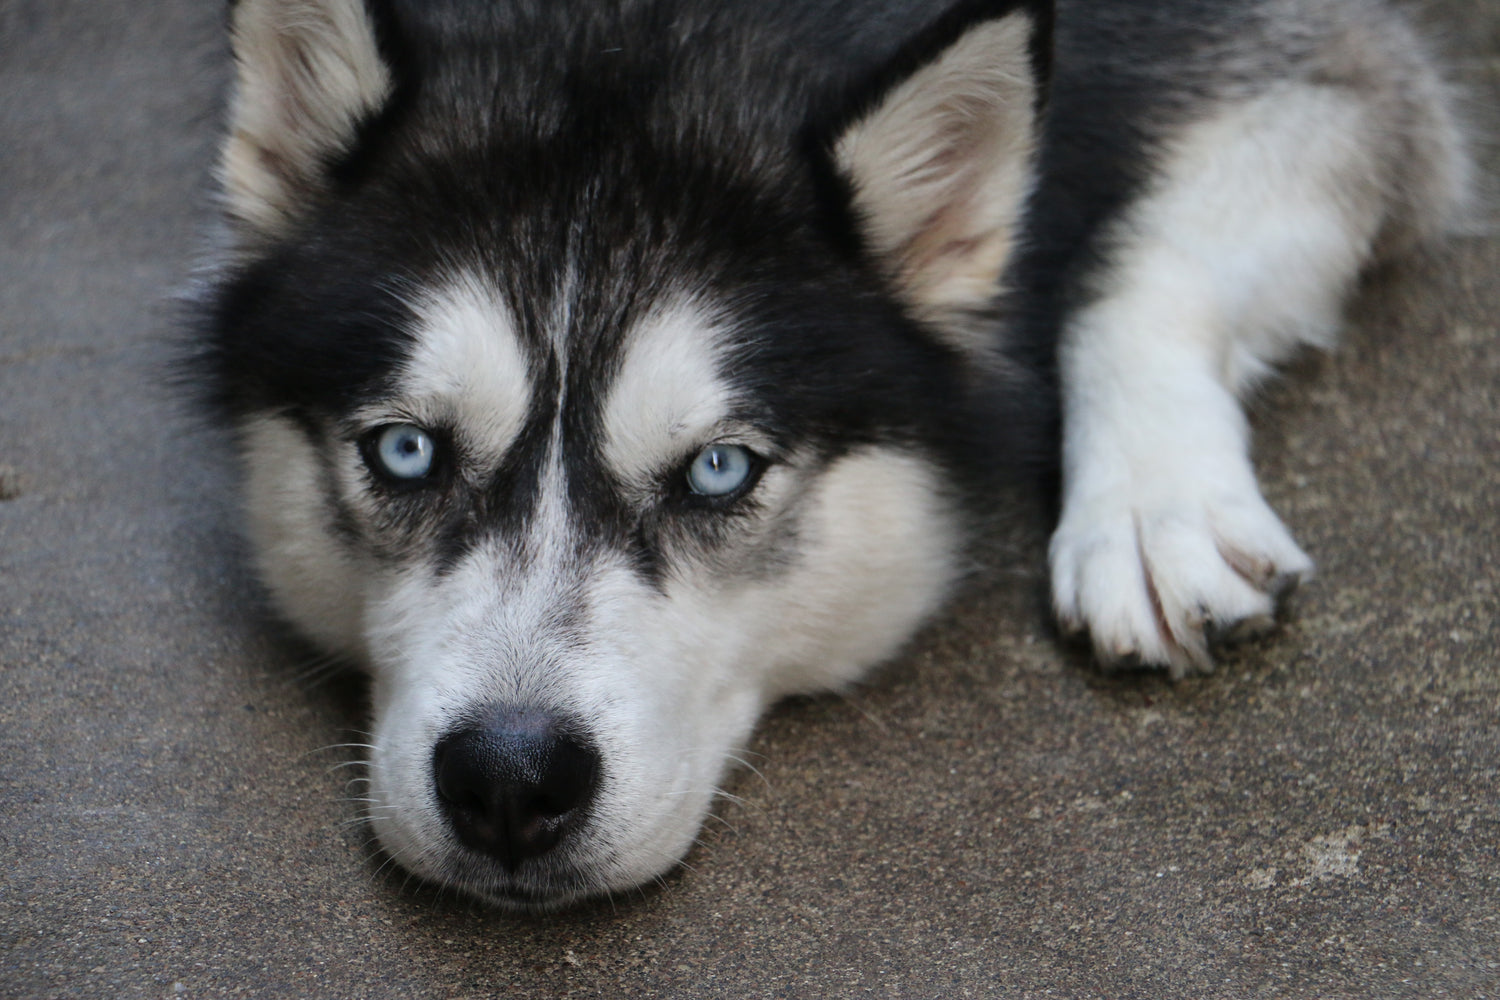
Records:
x=468, y=366
x=669, y=393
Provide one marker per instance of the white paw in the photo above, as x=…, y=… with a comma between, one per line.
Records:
x=1155, y=578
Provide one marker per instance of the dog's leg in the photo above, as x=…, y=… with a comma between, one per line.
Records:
x=1262, y=220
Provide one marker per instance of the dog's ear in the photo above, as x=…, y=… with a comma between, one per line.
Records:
x=939, y=150
x=307, y=73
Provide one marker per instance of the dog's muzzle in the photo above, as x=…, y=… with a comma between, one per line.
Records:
x=514, y=783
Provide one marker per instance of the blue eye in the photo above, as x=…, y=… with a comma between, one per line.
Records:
x=720, y=469
x=404, y=451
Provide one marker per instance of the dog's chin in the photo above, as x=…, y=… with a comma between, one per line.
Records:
x=528, y=900
x=526, y=894
x=550, y=888
x=524, y=903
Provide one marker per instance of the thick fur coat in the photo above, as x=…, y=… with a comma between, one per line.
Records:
x=605, y=371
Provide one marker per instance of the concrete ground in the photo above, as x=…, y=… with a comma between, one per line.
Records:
x=989, y=817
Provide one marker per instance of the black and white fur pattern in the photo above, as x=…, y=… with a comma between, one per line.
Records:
x=575, y=245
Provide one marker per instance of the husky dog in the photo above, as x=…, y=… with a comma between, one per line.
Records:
x=604, y=371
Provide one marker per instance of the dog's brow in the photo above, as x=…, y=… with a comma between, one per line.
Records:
x=668, y=393
x=468, y=366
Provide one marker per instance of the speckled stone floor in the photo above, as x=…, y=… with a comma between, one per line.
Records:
x=988, y=817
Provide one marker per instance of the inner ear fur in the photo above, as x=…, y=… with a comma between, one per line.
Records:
x=307, y=73
x=940, y=157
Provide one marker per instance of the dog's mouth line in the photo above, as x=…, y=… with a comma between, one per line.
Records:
x=526, y=899
x=530, y=899
x=532, y=890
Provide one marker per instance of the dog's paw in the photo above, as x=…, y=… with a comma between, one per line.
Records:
x=1158, y=580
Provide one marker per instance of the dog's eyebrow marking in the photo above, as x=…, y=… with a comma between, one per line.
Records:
x=668, y=393
x=468, y=366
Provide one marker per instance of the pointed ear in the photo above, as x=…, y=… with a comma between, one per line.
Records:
x=308, y=72
x=940, y=159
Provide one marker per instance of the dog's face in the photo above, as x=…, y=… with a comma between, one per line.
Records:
x=592, y=422
x=610, y=571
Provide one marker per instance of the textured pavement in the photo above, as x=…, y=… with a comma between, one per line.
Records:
x=987, y=817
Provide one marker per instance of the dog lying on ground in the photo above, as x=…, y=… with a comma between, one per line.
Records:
x=605, y=371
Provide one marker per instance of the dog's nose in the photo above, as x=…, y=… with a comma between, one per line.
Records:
x=515, y=783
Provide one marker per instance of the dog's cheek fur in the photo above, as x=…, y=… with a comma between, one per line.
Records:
x=877, y=554
x=874, y=556
x=315, y=579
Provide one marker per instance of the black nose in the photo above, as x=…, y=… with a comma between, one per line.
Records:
x=514, y=783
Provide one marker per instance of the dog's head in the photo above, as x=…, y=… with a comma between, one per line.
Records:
x=599, y=382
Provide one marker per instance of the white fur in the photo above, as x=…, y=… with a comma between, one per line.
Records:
x=468, y=371
x=316, y=581
x=668, y=398
x=879, y=554
x=1245, y=250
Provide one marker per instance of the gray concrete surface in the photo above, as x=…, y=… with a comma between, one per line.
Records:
x=989, y=817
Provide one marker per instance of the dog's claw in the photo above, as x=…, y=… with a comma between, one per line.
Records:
x=1244, y=630
x=1163, y=585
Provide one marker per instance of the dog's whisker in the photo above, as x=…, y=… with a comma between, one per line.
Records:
x=856, y=702
x=340, y=746
x=724, y=822
x=739, y=800
x=357, y=762
x=314, y=670
x=753, y=770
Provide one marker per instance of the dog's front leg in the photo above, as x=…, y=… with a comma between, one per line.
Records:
x=1164, y=536
x=1243, y=250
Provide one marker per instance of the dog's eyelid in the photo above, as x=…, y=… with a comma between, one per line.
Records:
x=362, y=427
x=372, y=418
x=746, y=434
x=764, y=448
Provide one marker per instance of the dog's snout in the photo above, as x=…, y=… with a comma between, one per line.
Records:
x=514, y=784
